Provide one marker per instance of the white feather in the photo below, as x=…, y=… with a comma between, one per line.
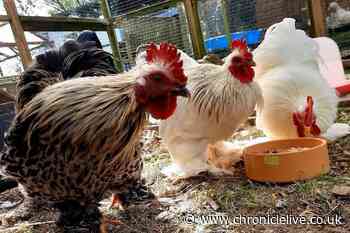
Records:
x=287, y=71
x=336, y=131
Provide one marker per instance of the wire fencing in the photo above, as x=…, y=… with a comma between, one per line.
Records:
x=248, y=19
x=167, y=24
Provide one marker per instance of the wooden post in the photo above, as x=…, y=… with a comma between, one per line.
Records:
x=195, y=28
x=318, y=22
x=18, y=32
x=226, y=22
x=111, y=35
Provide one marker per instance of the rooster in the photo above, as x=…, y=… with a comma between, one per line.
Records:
x=298, y=100
x=79, y=138
x=223, y=97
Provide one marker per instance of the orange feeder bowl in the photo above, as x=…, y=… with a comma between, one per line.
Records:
x=289, y=160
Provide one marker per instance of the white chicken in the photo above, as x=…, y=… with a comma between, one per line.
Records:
x=298, y=101
x=338, y=16
x=223, y=97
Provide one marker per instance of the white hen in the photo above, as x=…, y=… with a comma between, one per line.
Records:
x=298, y=100
x=223, y=97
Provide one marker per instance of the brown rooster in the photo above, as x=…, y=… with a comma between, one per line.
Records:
x=79, y=138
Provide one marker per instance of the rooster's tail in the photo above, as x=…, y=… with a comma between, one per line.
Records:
x=42, y=73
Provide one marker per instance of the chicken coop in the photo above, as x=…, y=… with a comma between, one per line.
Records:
x=197, y=27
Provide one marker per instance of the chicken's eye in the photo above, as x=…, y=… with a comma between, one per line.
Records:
x=237, y=60
x=157, y=77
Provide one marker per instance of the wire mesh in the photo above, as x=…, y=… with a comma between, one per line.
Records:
x=121, y=7
x=247, y=19
x=338, y=23
x=71, y=8
x=166, y=25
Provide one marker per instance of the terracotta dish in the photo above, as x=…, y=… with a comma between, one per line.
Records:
x=287, y=160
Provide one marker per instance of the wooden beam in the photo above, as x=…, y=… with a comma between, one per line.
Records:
x=195, y=28
x=16, y=53
x=317, y=16
x=4, y=18
x=7, y=44
x=18, y=33
x=111, y=35
x=60, y=23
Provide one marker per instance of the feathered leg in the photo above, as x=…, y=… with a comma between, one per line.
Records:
x=189, y=157
x=77, y=218
x=129, y=187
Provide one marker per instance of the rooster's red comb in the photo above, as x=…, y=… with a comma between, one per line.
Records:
x=166, y=54
x=239, y=44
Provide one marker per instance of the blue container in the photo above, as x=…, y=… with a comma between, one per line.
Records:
x=252, y=37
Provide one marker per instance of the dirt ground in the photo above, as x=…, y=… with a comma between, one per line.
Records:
x=232, y=196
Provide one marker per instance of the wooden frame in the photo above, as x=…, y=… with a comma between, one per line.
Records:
x=47, y=24
x=18, y=32
x=111, y=35
x=191, y=8
x=318, y=23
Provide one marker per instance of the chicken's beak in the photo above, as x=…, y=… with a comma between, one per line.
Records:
x=251, y=63
x=181, y=91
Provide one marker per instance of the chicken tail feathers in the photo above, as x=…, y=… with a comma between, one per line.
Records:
x=88, y=62
x=32, y=82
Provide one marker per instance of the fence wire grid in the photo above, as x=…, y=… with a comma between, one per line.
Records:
x=165, y=25
x=246, y=19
